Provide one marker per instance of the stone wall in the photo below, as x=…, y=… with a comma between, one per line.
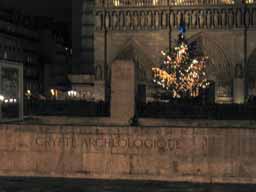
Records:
x=224, y=48
x=224, y=155
x=150, y=43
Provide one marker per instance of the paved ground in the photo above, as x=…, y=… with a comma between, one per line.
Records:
x=76, y=185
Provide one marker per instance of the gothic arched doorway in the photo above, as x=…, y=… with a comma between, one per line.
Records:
x=219, y=68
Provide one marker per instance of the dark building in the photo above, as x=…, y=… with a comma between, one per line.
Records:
x=41, y=44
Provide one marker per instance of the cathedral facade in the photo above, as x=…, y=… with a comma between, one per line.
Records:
x=224, y=30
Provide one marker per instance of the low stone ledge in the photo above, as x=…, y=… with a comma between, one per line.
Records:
x=143, y=122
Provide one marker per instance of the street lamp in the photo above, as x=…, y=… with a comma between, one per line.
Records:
x=72, y=93
x=52, y=92
x=1, y=98
x=28, y=94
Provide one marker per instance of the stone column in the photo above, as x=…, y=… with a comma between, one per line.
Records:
x=76, y=35
x=83, y=26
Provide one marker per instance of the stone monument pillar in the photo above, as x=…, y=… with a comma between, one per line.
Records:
x=238, y=86
x=123, y=91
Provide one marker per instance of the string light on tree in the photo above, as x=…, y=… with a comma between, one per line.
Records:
x=181, y=72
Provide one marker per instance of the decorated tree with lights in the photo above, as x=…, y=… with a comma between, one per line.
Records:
x=182, y=72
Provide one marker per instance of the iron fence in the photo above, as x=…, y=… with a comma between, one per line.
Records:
x=198, y=111
x=66, y=108
x=172, y=110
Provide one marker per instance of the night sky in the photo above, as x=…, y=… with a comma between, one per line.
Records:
x=59, y=9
